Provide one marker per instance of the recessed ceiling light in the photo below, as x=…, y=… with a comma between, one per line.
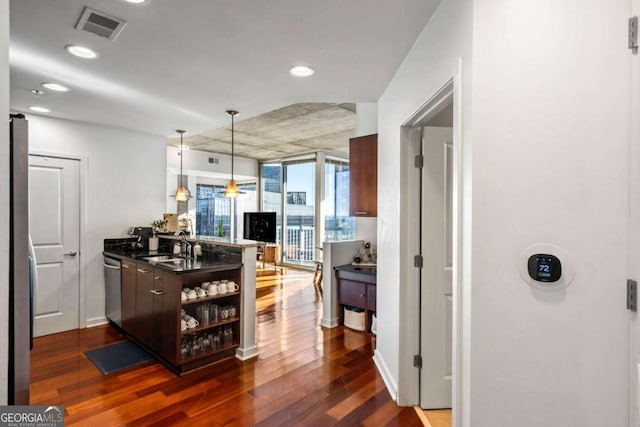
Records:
x=136, y=1
x=81, y=52
x=301, y=71
x=39, y=109
x=55, y=87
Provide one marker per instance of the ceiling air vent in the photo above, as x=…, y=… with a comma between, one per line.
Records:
x=100, y=24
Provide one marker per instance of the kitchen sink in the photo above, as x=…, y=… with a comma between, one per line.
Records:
x=164, y=258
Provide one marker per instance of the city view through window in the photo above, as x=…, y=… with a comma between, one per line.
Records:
x=217, y=215
x=299, y=181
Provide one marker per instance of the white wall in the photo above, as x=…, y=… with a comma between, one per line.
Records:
x=550, y=128
x=4, y=199
x=197, y=163
x=196, y=168
x=430, y=64
x=126, y=185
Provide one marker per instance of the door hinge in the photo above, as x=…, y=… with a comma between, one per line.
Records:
x=633, y=33
x=418, y=261
x=632, y=295
x=419, y=161
x=417, y=361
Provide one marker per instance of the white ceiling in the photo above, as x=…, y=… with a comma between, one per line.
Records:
x=181, y=64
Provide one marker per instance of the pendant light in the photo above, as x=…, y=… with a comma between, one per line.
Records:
x=182, y=193
x=232, y=189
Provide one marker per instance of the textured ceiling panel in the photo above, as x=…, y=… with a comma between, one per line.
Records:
x=298, y=128
x=277, y=116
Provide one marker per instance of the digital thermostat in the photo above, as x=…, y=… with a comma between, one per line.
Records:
x=546, y=266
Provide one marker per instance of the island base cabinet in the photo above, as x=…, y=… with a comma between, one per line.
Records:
x=152, y=301
x=217, y=334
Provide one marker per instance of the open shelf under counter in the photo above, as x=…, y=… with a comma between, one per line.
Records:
x=209, y=298
x=203, y=354
x=201, y=328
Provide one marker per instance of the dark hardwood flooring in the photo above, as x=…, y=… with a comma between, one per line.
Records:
x=304, y=375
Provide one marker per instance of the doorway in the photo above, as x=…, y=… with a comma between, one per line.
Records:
x=436, y=295
x=433, y=328
x=54, y=224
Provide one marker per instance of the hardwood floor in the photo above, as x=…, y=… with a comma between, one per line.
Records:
x=304, y=375
x=434, y=417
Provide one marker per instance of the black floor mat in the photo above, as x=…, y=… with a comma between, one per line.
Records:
x=116, y=357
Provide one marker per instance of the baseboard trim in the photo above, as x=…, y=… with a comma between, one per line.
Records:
x=422, y=416
x=96, y=321
x=392, y=387
x=329, y=323
x=246, y=353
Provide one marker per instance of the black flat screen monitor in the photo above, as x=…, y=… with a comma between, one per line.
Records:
x=260, y=226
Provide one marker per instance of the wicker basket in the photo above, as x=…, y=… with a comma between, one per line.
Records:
x=354, y=319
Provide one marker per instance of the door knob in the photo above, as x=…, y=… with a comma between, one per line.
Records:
x=71, y=253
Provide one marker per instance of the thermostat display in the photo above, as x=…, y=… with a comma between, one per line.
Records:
x=544, y=268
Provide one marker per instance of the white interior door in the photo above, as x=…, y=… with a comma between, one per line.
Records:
x=436, y=302
x=634, y=246
x=54, y=225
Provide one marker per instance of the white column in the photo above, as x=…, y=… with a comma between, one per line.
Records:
x=335, y=253
x=319, y=207
x=248, y=348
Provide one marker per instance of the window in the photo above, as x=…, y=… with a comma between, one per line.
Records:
x=300, y=212
x=245, y=203
x=291, y=185
x=272, y=193
x=213, y=211
x=338, y=225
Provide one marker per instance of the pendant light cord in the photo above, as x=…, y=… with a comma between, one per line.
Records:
x=232, y=113
x=181, y=132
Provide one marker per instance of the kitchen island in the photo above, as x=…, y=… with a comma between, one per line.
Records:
x=153, y=306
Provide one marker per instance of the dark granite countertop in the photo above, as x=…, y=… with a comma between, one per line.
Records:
x=211, y=260
x=356, y=269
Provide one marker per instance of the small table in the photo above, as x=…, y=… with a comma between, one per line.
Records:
x=272, y=254
x=356, y=288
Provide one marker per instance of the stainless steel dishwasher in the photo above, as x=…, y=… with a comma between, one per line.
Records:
x=112, y=290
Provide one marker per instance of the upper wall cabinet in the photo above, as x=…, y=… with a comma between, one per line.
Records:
x=363, y=176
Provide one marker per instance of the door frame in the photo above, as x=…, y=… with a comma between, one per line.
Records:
x=634, y=228
x=82, y=250
x=409, y=339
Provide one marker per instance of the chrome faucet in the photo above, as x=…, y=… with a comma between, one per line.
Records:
x=185, y=246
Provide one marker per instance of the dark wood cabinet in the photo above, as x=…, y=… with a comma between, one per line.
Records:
x=128, y=296
x=214, y=327
x=363, y=176
x=152, y=310
x=142, y=327
x=352, y=293
x=166, y=314
x=356, y=288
